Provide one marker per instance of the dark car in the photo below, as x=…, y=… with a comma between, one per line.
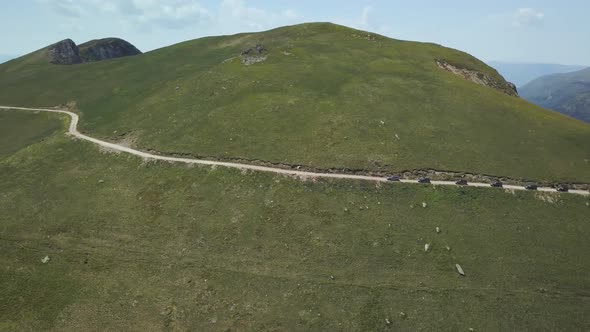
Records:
x=531, y=186
x=461, y=182
x=393, y=178
x=496, y=184
x=424, y=180
x=562, y=188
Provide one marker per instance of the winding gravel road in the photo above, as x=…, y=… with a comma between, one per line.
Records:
x=73, y=130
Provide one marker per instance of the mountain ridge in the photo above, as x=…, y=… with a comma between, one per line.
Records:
x=320, y=95
x=66, y=52
x=521, y=73
x=567, y=93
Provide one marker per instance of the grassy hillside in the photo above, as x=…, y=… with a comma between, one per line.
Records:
x=21, y=129
x=326, y=96
x=137, y=245
x=565, y=93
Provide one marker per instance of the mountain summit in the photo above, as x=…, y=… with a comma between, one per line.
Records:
x=66, y=52
x=318, y=95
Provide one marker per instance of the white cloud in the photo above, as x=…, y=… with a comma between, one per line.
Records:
x=166, y=13
x=364, y=18
x=528, y=17
x=176, y=14
x=237, y=12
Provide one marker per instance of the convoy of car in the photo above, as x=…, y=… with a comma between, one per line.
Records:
x=495, y=183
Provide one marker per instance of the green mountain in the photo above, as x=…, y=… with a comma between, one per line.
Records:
x=565, y=93
x=523, y=73
x=323, y=96
x=96, y=239
x=130, y=244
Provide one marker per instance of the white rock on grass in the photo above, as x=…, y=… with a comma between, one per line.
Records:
x=45, y=260
x=437, y=230
x=460, y=269
x=427, y=247
x=424, y=204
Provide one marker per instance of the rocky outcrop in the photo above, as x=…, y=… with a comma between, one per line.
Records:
x=254, y=55
x=479, y=78
x=104, y=49
x=66, y=52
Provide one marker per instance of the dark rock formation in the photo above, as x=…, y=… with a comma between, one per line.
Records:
x=480, y=78
x=512, y=86
x=254, y=55
x=104, y=49
x=64, y=52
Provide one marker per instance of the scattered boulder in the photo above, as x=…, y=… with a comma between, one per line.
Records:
x=254, y=55
x=460, y=270
x=438, y=230
x=426, y=247
x=45, y=260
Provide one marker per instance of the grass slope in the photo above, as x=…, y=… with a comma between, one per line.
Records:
x=327, y=96
x=21, y=129
x=565, y=93
x=159, y=246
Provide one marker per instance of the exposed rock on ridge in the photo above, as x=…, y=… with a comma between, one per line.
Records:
x=66, y=52
x=104, y=49
x=479, y=78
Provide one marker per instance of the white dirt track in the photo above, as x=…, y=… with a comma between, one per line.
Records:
x=73, y=130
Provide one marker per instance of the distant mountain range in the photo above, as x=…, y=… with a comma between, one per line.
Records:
x=522, y=73
x=565, y=93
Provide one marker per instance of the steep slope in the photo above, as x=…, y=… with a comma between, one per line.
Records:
x=136, y=245
x=316, y=95
x=523, y=73
x=565, y=93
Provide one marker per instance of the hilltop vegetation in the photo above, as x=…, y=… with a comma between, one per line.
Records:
x=324, y=96
x=136, y=245
x=565, y=93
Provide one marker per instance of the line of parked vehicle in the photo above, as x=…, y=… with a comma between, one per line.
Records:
x=495, y=183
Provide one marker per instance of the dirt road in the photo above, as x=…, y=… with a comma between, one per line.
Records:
x=73, y=130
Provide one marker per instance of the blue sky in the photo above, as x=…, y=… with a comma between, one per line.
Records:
x=540, y=31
